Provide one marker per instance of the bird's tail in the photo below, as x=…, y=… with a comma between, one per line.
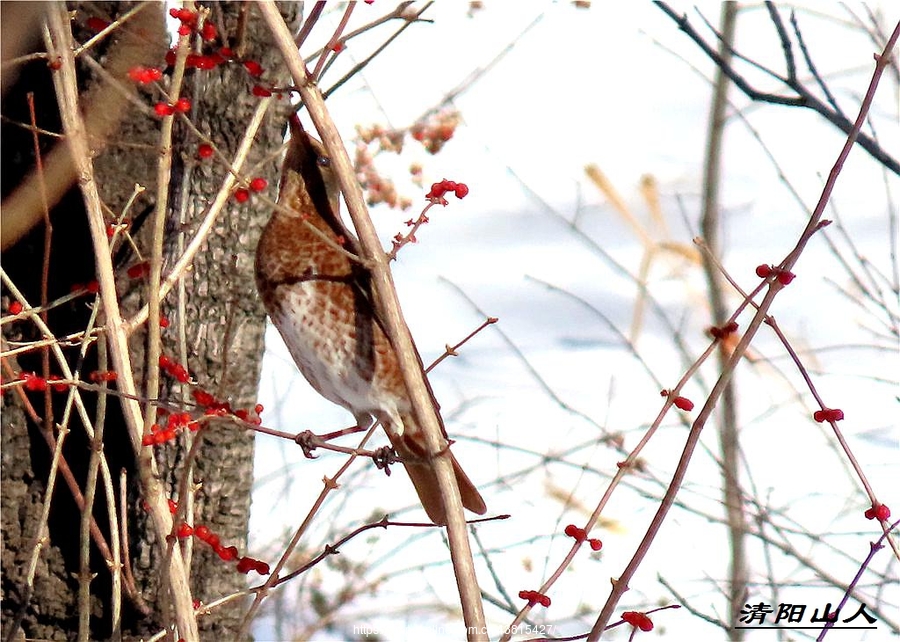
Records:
x=413, y=453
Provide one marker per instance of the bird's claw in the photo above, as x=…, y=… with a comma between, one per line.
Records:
x=308, y=442
x=383, y=458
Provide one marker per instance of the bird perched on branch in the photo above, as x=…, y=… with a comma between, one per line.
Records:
x=321, y=300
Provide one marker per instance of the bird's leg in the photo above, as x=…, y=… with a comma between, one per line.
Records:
x=328, y=436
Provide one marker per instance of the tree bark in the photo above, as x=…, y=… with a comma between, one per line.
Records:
x=222, y=339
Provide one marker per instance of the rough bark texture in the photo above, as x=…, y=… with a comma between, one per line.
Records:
x=223, y=324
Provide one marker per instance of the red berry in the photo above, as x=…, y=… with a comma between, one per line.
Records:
x=882, y=513
x=461, y=190
x=181, y=373
x=183, y=105
x=185, y=530
x=260, y=91
x=185, y=15
x=596, y=544
x=15, y=307
x=97, y=24
x=253, y=68
x=163, y=322
x=437, y=190
x=828, y=414
x=762, y=271
x=682, y=403
x=228, y=554
x=139, y=270
x=163, y=109
x=33, y=382
x=201, y=531
x=258, y=408
x=241, y=195
x=184, y=30
x=205, y=151
x=137, y=73
x=205, y=62
x=259, y=184
x=785, y=277
x=173, y=505
x=203, y=398
x=209, y=31
x=245, y=565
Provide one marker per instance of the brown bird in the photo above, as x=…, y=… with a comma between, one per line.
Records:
x=322, y=303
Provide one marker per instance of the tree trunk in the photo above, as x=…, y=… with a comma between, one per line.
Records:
x=221, y=342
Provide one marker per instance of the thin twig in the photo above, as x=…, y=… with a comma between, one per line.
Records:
x=774, y=287
x=64, y=79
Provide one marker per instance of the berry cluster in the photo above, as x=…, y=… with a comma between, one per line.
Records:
x=182, y=106
x=226, y=553
x=436, y=130
x=169, y=429
x=580, y=535
x=535, y=597
x=638, y=620
x=784, y=276
x=828, y=414
x=145, y=75
x=258, y=184
x=878, y=511
x=379, y=189
x=189, y=20
x=436, y=194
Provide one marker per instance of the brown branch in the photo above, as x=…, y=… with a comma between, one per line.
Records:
x=395, y=327
x=61, y=46
x=729, y=440
x=804, y=97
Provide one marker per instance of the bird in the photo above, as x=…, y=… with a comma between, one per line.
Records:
x=322, y=303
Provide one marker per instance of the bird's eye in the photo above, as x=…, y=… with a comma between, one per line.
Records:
x=323, y=161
